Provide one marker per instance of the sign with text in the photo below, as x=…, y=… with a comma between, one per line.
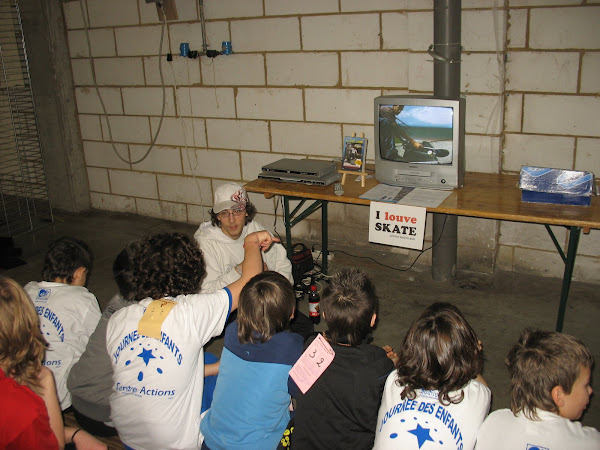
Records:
x=397, y=225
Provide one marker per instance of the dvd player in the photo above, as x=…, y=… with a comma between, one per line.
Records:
x=301, y=167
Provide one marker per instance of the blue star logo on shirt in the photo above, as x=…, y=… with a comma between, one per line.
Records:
x=422, y=434
x=146, y=355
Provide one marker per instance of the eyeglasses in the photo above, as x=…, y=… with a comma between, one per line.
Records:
x=234, y=212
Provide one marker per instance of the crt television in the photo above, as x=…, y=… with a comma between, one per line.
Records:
x=420, y=141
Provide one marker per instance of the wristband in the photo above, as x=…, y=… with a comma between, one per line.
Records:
x=74, y=433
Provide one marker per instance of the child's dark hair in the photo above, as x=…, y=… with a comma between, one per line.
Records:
x=540, y=361
x=64, y=257
x=124, y=270
x=440, y=352
x=265, y=307
x=348, y=306
x=168, y=264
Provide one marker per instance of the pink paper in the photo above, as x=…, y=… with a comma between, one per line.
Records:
x=313, y=362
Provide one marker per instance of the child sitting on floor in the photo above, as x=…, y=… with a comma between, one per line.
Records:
x=340, y=408
x=68, y=312
x=437, y=393
x=251, y=402
x=156, y=344
x=549, y=390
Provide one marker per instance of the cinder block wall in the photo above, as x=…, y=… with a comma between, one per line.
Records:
x=303, y=75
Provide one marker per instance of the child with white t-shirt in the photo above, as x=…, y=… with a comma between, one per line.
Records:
x=68, y=312
x=437, y=394
x=549, y=390
x=156, y=343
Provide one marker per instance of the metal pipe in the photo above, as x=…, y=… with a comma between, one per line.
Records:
x=203, y=27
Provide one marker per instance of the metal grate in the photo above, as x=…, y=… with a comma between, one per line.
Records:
x=24, y=201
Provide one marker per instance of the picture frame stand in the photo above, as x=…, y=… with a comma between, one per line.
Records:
x=362, y=173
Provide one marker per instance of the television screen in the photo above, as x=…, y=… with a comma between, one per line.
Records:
x=416, y=133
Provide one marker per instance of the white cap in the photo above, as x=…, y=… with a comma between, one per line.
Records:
x=229, y=195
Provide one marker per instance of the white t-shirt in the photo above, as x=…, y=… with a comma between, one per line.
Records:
x=411, y=424
x=502, y=430
x=68, y=316
x=158, y=384
x=222, y=254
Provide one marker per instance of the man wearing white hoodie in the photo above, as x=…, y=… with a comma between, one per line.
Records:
x=222, y=239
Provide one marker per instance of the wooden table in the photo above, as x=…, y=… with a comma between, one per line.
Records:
x=484, y=195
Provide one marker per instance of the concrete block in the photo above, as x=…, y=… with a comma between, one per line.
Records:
x=216, y=33
x=482, y=30
x=72, y=12
x=270, y=35
x=341, y=32
x=357, y=215
x=542, y=71
x=262, y=204
x=108, y=202
x=513, y=112
x=419, y=4
x=537, y=150
x=476, y=232
x=543, y=2
x=372, y=5
x=266, y=103
x=236, y=70
x=589, y=73
x=148, y=101
x=420, y=31
x=127, y=129
x=336, y=213
x=479, y=73
x=530, y=235
x=587, y=156
x=149, y=13
x=340, y=105
x=134, y=184
x=162, y=210
x=198, y=214
x=475, y=259
x=186, y=10
x=394, y=30
x=305, y=69
x=224, y=9
x=420, y=72
x=238, y=134
x=516, y=34
x=179, y=131
x=589, y=244
x=82, y=73
x=119, y=71
x=564, y=28
x=159, y=160
x=504, y=258
x=206, y=102
x=208, y=163
x=538, y=262
x=102, y=42
x=88, y=102
x=484, y=114
x=357, y=69
x=482, y=153
x=98, y=179
x=89, y=125
x=300, y=7
x=180, y=71
x=303, y=138
x=101, y=154
x=587, y=269
x=184, y=189
x=110, y=13
x=252, y=162
x=140, y=41
x=577, y=115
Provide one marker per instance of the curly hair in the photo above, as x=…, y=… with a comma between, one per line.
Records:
x=348, y=305
x=168, y=264
x=64, y=257
x=266, y=305
x=250, y=211
x=440, y=352
x=539, y=361
x=22, y=345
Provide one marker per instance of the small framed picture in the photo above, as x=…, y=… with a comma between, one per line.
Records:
x=354, y=153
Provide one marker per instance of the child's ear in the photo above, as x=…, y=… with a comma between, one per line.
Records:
x=79, y=276
x=558, y=396
x=373, y=319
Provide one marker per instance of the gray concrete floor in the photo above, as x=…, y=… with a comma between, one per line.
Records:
x=497, y=307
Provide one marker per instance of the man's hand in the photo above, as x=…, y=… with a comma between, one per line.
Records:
x=261, y=238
